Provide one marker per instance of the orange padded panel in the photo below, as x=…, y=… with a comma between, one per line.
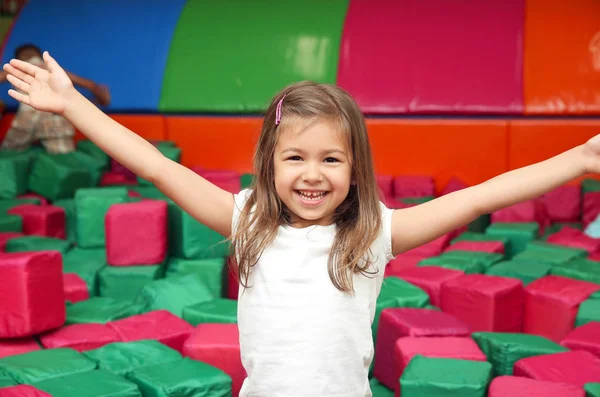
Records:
x=473, y=150
x=150, y=127
x=215, y=142
x=562, y=57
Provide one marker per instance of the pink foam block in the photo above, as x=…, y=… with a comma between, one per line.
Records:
x=43, y=200
x=232, y=280
x=527, y=211
x=586, y=337
x=563, y=204
x=114, y=178
x=80, y=337
x=462, y=348
x=32, y=294
x=5, y=236
x=430, y=279
x=517, y=386
x=403, y=262
x=413, y=186
x=225, y=179
x=453, y=185
x=41, y=220
x=575, y=368
x=159, y=325
x=385, y=183
x=480, y=246
x=591, y=207
x=136, y=233
x=22, y=391
x=218, y=345
x=432, y=248
x=486, y=303
x=575, y=238
x=11, y=347
x=119, y=168
x=398, y=323
x=557, y=298
x=75, y=288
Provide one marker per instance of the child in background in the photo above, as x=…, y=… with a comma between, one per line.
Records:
x=29, y=125
x=311, y=237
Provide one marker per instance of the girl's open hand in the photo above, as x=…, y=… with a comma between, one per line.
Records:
x=46, y=90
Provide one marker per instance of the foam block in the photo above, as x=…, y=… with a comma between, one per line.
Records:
x=591, y=207
x=113, y=178
x=46, y=220
x=126, y=282
x=136, y=233
x=398, y=323
x=86, y=263
x=223, y=311
x=402, y=262
x=413, y=186
x=571, y=237
x=79, y=337
x=22, y=391
x=573, y=367
x=592, y=389
x=527, y=273
x=486, y=303
x=41, y=200
x=504, y=349
x=225, y=179
x=589, y=310
x=75, y=288
x=531, y=211
x=519, y=234
x=5, y=236
x=68, y=205
x=386, y=185
x=429, y=377
x=486, y=259
x=219, y=346
x=37, y=243
x=43, y=364
x=516, y=386
x=430, y=279
x=432, y=248
x=14, y=167
x=563, y=204
x=478, y=246
x=91, y=149
x=11, y=347
x=11, y=223
x=210, y=271
x=98, y=383
x=553, y=249
x=462, y=348
x=123, y=357
x=100, y=310
x=585, y=337
x=159, y=325
x=557, y=298
x=579, y=269
x=92, y=206
x=32, y=300
x=465, y=265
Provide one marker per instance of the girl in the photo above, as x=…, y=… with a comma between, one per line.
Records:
x=311, y=238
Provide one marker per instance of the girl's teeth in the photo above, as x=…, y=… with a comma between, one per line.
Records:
x=312, y=196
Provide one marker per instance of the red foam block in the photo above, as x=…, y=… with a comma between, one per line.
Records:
x=11, y=347
x=115, y=178
x=517, y=386
x=462, y=348
x=575, y=238
x=119, y=168
x=31, y=293
x=5, y=236
x=486, y=303
x=80, y=337
x=41, y=220
x=218, y=345
x=136, y=233
x=22, y=391
x=385, y=183
x=430, y=279
x=480, y=246
x=159, y=325
x=527, y=211
x=75, y=288
x=403, y=262
x=575, y=367
x=563, y=204
x=586, y=337
x=557, y=298
x=413, y=186
x=225, y=179
x=591, y=207
x=233, y=286
x=398, y=323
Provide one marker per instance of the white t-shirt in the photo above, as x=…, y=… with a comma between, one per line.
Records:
x=299, y=335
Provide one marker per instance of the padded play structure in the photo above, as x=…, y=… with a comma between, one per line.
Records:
x=108, y=288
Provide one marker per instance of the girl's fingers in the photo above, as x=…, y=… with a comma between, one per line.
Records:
x=18, y=83
x=17, y=73
x=50, y=62
x=25, y=66
x=19, y=96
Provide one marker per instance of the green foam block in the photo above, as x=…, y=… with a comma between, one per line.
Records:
x=91, y=208
x=527, y=273
x=211, y=271
x=518, y=233
x=98, y=383
x=223, y=311
x=14, y=170
x=100, y=310
x=589, y=310
x=86, y=263
x=126, y=282
x=37, y=243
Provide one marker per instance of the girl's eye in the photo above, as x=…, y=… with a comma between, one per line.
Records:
x=331, y=160
x=295, y=158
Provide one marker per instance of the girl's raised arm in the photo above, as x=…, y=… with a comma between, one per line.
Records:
x=51, y=90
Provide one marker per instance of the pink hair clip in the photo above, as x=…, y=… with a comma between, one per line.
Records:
x=278, y=110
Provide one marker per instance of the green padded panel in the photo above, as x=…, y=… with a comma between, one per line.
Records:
x=37, y=243
x=70, y=217
x=211, y=271
x=222, y=311
x=174, y=294
x=125, y=282
x=527, y=273
x=100, y=310
x=589, y=310
x=503, y=350
x=123, y=357
x=518, y=233
x=185, y=377
x=435, y=377
x=86, y=263
x=44, y=364
x=579, y=269
x=92, y=206
x=213, y=52
x=98, y=383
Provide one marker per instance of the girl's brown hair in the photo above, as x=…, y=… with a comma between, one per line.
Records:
x=358, y=218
